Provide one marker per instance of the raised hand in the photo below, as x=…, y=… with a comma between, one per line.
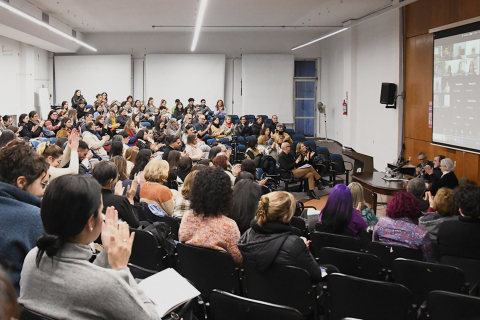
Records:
x=119, y=188
x=109, y=227
x=359, y=206
x=73, y=142
x=120, y=247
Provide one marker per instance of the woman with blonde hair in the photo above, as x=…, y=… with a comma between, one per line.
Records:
x=131, y=156
x=359, y=203
x=153, y=191
x=182, y=203
x=270, y=240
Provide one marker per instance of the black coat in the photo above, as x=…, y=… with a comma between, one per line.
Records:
x=243, y=130
x=76, y=100
x=448, y=180
x=36, y=133
x=274, y=244
x=460, y=238
x=255, y=129
x=287, y=161
x=126, y=211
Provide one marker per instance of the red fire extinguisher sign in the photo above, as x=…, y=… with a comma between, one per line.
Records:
x=344, y=108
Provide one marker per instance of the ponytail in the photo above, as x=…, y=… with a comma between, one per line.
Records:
x=262, y=210
x=49, y=244
x=41, y=148
x=276, y=206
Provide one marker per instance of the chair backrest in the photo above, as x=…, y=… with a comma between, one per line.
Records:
x=353, y=263
x=224, y=140
x=284, y=285
x=28, y=314
x=323, y=151
x=146, y=124
x=322, y=239
x=236, y=121
x=422, y=277
x=241, y=148
x=389, y=252
x=53, y=140
x=248, y=138
x=354, y=297
x=337, y=163
x=320, y=227
x=34, y=143
x=290, y=132
x=220, y=116
x=210, y=141
x=249, y=117
x=300, y=224
x=227, y=306
x=470, y=267
x=310, y=144
x=174, y=224
x=298, y=137
x=147, y=252
x=207, y=269
x=293, y=149
x=268, y=122
x=241, y=140
x=263, y=116
x=443, y=305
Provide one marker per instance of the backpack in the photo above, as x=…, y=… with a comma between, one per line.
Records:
x=162, y=232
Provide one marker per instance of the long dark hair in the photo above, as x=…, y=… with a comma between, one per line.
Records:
x=173, y=161
x=337, y=212
x=116, y=149
x=82, y=195
x=6, y=137
x=246, y=195
x=143, y=157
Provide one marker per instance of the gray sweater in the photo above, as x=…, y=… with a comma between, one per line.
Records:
x=70, y=287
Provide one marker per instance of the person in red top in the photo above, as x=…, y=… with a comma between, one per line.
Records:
x=130, y=129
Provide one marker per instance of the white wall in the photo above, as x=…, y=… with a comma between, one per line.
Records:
x=358, y=61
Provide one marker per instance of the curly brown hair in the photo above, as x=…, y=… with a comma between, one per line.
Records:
x=19, y=159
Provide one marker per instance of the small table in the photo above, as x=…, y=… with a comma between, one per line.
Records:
x=373, y=182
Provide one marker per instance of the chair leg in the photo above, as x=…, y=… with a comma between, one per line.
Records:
x=286, y=186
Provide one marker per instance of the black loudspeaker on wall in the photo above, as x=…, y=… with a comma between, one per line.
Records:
x=387, y=96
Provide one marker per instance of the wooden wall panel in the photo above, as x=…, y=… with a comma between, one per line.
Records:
x=420, y=17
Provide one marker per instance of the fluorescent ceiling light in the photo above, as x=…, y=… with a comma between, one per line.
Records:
x=43, y=24
x=316, y=40
x=201, y=13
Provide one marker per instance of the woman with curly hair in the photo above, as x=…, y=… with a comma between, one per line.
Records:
x=207, y=225
x=399, y=228
x=270, y=240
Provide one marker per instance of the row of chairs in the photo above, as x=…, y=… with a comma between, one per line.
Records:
x=36, y=142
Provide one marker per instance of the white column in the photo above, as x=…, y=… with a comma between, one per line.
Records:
x=26, y=90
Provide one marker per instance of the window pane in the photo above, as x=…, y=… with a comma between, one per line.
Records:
x=305, y=69
x=305, y=127
x=305, y=89
x=304, y=108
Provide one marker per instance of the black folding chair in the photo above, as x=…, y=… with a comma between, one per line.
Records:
x=322, y=239
x=28, y=314
x=389, y=252
x=338, y=168
x=320, y=227
x=351, y=297
x=148, y=256
x=287, y=177
x=352, y=263
x=284, y=285
x=470, y=267
x=301, y=225
x=208, y=269
x=423, y=277
x=443, y=305
x=227, y=306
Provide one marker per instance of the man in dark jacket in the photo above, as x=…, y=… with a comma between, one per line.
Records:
x=289, y=163
x=274, y=244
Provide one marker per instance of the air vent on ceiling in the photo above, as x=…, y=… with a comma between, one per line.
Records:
x=45, y=17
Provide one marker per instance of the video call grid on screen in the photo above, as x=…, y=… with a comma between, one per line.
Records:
x=456, y=88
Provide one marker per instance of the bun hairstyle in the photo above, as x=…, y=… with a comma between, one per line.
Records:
x=275, y=206
x=45, y=149
x=82, y=195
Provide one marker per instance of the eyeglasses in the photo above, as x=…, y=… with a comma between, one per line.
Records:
x=44, y=184
x=421, y=159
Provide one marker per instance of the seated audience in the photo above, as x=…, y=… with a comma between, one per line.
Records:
x=214, y=151
x=116, y=149
x=276, y=147
x=153, y=191
x=442, y=208
x=23, y=178
x=9, y=308
x=35, y=125
x=270, y=240
x=359, y=203
x=437, y=172
x=58, y=280
x=207, y=225
x=202, y=129
x=216, y=130
x=6, y=137
x=143, y=158
x=306, y=156
x=193, y=150
x=143, y=143
x=94, y=140
x=244, y=129
x=246, y=195
x=122, y=118
x=65, y=128
x=460, y=238
x=58, y=158
x=173, y=162
x=417, y=188
x=182, y=203
x=131, y=157
x=273, y=124
x=110, y=121
x=173, y=128
x=25, y=132
x=53, y=123
x=398, y=227
x=219, y=109
x=280, y=132
x=173, y=143
x=228, y=127
x=448, y=178
x=339, y=213
x=221, y=161
x=253, y=153
x=106, y=174
x=257, y=127
x=289, y=163
x=184, y=167
x=132, y=132
x=121, y=165
x=420, y=168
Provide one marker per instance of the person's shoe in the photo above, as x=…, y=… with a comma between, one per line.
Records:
x=312, y=195
x=319, y=185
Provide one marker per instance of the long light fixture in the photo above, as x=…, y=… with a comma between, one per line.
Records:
x=43, y=24
x=316, y=40
x=201, y=13
x=352, y=23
